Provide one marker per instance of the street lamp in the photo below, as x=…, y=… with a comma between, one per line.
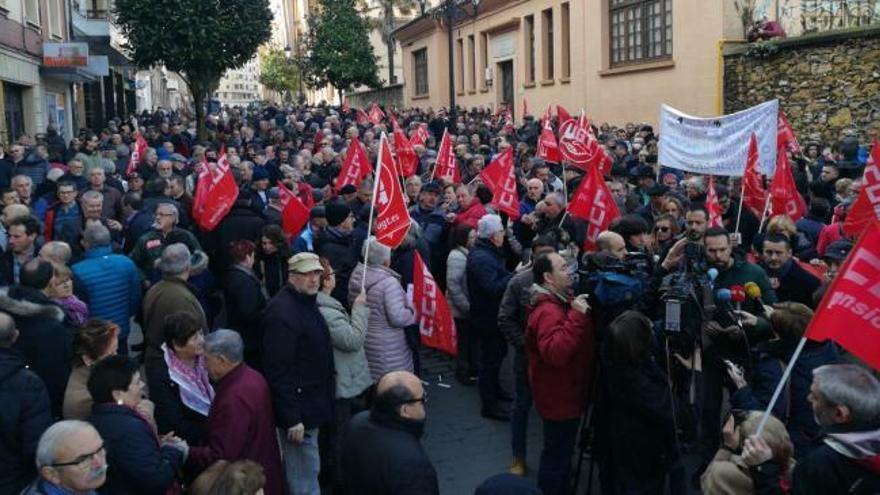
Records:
x=452, y=12
x=287, y=51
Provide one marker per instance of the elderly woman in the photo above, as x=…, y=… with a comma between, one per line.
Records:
x=245, y=300
x=390, y=311
x=140, y=462
x=179, y=383
x=60, y=289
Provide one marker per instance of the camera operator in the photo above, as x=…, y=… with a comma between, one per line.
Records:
x=638, y=415
x=614, y=279
x=560, y=347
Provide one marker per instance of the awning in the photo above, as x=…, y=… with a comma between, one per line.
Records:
x=68, y=74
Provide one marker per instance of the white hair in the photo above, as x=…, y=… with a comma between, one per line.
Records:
x=47, y=448
x=226, y=343
x=378, y=254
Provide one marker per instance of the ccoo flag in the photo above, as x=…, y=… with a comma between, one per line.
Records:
x=866, y=209
x=435, y=320
x=594, y=203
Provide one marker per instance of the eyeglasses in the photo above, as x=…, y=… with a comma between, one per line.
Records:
x=662, y=229
x=423, y=399
x=82, y=462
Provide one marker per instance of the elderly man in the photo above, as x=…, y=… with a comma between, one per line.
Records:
x=241, y=425
x=70, y=459
x=149, y=246
x=112, y=205
x=298, y=364
x=111, y=282
x=390, y=431
x=169, y=295
x=24, y=187
x=24, y=413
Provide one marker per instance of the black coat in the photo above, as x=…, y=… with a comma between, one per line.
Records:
x=44, y=340
x=826, y=471
x=795, y=283
x=137, y=464
x=245, y=302
x=272, y=269
x=24, y=416
x=171, y=413
x=244, y=221
x=404, y=468
x=340, y=251
x=298, y=360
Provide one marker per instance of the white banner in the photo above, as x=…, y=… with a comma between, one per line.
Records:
x=719, y=145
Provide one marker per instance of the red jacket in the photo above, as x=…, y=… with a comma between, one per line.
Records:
x=470, y=215
x=560, y=346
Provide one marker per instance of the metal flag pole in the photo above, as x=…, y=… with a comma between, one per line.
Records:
x=376, y=179
x=740, y=209
x=779, y=386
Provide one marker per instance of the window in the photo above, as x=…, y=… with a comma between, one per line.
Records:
x=56, y=12
x=472, y=65
x=459, y=65
x=484, y=59
x=420, y=64
x=32, y=12
x=96, y=9
x=565, y=26
x=530, y=48
x=641, y=30
x=547, y=42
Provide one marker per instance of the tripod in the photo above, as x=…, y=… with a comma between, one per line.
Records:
x=585, y=437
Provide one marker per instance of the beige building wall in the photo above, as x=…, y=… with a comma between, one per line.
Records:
x=688, y=80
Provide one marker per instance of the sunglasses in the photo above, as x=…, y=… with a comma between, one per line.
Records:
x=662, y=229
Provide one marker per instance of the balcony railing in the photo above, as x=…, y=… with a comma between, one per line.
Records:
x=813, y=16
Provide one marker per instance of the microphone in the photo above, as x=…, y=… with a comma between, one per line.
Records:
x=725, y=296
x=712, y=273
x=753, y=290
x=738, y=296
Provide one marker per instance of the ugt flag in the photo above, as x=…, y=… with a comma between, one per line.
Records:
x=548, y=150
x=866, y=209
x=435, y=320
x=593, y=202
x=849, y=314
x=392, y=222
x=355, y=167
x=137, y=154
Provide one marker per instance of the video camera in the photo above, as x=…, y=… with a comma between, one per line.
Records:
x=687, y=300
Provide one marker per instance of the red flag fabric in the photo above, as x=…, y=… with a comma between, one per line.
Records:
x=422, y=132
x=578, y=145
x=203, y=184
x=784, y=197
x=504, y=196
x=355, y=167
x=594, y=203
x=562, y=115
x=548, y=149
x=376, y=114
x=785, y=134
x=362, y=117
x=866, y=208
x=436, y=324
x=446, y=166
x=294, y=214
x=492, y=174
x=319, y=138
x=407, y=159
x=754, y=196
x=137, y=154
x=221, y=195
x=849, y=313
x=712, y=206
x=392, y=222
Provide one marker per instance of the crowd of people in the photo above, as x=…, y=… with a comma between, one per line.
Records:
x=284, y=363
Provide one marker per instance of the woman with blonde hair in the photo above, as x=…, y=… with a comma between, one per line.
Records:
x=728, y=473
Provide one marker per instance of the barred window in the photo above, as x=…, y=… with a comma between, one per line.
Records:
x=420, y=63
x=641, y=30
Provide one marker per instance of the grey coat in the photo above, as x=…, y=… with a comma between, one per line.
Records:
x=456, y=283
x=513, y=314
x=347, y=336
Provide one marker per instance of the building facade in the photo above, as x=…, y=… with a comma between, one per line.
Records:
x=240, y=87
x=619, y=60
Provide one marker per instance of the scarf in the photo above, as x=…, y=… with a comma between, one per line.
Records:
x=196, y=392
x=74, y=308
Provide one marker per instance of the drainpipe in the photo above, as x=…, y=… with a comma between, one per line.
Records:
x=719, y=73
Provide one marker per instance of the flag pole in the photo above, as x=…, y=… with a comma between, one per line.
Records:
x=764, y=214
x=740, y=209
x=779, y=386
x=564, y=184
x=376, y=179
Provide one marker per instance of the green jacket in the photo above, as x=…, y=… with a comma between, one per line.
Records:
x=149, y=246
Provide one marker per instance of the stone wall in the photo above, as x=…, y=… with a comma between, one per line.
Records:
x=826, y=83
x=388, y=96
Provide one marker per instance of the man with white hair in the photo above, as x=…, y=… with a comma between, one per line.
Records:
x=24, y=413
x=487, y=278
x=150, y=245
x=70, y=459
x=241, y=425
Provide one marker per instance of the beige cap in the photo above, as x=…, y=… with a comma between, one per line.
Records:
x=304, y=263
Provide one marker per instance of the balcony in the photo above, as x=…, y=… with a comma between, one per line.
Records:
x=91, y=18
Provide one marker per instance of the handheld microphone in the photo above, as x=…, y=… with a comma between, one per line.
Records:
x=725, y=296
x=712, y=273
x=738, y=295
x=753, y=290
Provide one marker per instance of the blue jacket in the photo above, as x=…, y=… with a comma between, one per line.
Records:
x=113, y=284
x=137, y=463
x=487, y=278
x=792, y=408
x=433, y=224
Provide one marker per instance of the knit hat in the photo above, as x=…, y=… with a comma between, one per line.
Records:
x=489, y=225
x=336, y=213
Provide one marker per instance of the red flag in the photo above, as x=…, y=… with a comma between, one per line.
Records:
x=594, y=203
x=578, y=145
x=866, y=209
x=319, y=138
x=392, y=222
x=446, y=166
x=435, y=320
x=221, y=195
x=785, y=137
x=754, y=195
x=345, y=108
x=355, y=167
x=137, y=154
x=294, y=214
x=362, y=117
x=407, y=159
x=712, y=205
x=562, y=115
x=849, y=313
x=492, y=174
x=504, y=196
x=422, y=132
x=376, y=114
x=203, y=184
x=784, y=197
x=548, y=150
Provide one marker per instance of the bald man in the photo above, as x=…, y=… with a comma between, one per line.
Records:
x=611, y=243
x=390, y=431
